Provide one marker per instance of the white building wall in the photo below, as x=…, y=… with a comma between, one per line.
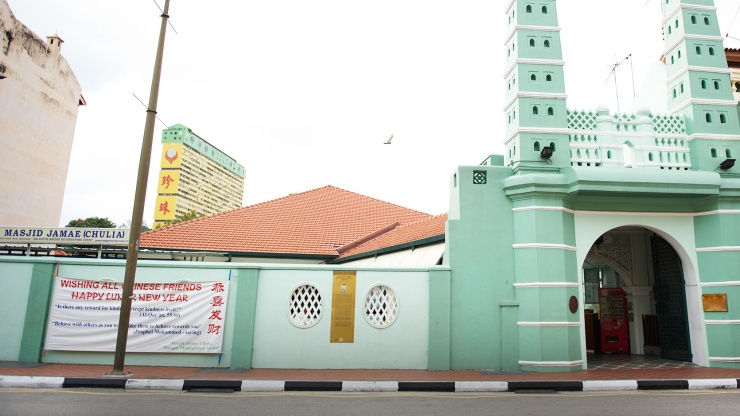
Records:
x=39, y=99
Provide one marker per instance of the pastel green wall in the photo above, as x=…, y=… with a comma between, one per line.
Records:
x=479, y=251
x=15, y=283
x=279, y=344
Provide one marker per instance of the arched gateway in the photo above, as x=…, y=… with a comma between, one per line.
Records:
x=522, y=226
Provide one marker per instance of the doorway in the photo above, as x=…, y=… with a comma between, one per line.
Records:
x=650, y=272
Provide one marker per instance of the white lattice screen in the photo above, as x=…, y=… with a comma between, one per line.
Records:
x=381, y=306
x=305, y=306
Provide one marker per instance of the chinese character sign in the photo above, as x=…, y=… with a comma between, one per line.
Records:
x=165, y=208
x=165, y=317
x=168, y=182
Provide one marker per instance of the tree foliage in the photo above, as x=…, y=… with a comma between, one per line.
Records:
x=184, y=217
x=92, y=222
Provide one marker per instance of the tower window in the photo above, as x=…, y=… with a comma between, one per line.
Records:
x=608, y=154
x=547, y=43
x=670, y=30
x=529, y=8
x=711, y=51
x=550, y=111
x=552, y=146
x=674, y=93
x=708, y=117
x=673, y=60
x=706, y=21
x=650, y=156
x=548, y=78
x=536, y=146
x=716, y=85
x=723, y=120
x=544, y=9
x=698, y=50
x=728, y=153
x=714, y=152
x=679, y=54
x=681, y=88
x=535, y=110
x=531, y=42
x=703, y=84
x=533, y=77
x=693, y=19
x=676, y=23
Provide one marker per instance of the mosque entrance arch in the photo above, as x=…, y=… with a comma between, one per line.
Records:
x=649, y=271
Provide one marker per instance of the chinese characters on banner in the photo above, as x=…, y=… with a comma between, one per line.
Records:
x=165, y=317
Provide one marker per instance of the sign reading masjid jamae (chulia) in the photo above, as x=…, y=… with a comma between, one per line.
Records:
x=91, y=236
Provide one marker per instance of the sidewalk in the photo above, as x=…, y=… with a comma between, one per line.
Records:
x=177, y=378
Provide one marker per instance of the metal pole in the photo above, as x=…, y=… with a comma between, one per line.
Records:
x=139, y=198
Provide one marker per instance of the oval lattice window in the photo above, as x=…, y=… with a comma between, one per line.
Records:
x=305, y=306
x=381, y=306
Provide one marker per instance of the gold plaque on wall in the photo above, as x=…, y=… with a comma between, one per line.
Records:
x=343, y=307
x=715, y=302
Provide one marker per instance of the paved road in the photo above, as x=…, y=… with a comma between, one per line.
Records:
x=84, y=402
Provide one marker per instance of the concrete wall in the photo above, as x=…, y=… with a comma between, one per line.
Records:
x=257, y=328
x=38, y=101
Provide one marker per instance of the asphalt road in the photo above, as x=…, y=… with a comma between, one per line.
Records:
x=97, y=402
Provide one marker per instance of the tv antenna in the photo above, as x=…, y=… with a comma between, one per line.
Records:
x=613, y=72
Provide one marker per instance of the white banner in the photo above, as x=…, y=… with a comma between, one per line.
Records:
x=165, y=317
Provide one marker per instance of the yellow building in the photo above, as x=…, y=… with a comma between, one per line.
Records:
x=195, y=176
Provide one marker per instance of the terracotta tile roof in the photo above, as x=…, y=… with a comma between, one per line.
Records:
x=420, y=230
x=315, y=222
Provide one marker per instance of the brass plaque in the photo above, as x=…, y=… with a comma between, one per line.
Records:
x=343, y=307
x=715, y=302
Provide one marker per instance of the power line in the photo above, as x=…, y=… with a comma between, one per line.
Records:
x=145, y=106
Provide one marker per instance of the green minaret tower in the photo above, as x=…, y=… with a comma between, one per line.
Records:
x=699, y=83
x=535, y=111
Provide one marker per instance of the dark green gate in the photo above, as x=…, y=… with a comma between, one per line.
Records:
x=670, y=302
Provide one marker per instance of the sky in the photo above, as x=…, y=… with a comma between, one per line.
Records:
x=303, y=93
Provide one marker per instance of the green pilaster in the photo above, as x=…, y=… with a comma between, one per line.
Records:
x=37, y=312
x=480, y=254
x=244, y=318
x=439, y=320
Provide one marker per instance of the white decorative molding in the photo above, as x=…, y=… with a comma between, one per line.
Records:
x=546, y=245
x=529, y=27
x=682, y=6
x=543, y=208
x=697, y=101
x=540, y=95
x=635, y=214
x=719, y=249
x=695, y=68
x=534, y=130
x=545, y=285
x=725, y=359
x=525, y=61
x=722, y=322
x=718, y=212
x=551, y=324
x=708, y=136
x=681, y=39
x=720, y=284
x=552, y=363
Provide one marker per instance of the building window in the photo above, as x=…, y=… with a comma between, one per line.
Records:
x=708, y=117
x=552, y=146
x=536, y=146
x=305, y=306
x=550, y=111
x=716, y=85
x=535, y=110
x=533, y=77
x=693, y=19
x=706, y=21
x=673, y=60
x=544, y=9
x=531, y=42
x=679, y=54
x=676, y=23
x=529, y=9
x=681, y=88
x=547, y=43
x=548, y=78
x=723, y=119
x=650, y=156
x=728, y=153
x=479, y=177
x=703, y=84
x=381, y=306
x=698, y=50
x=711, y=51
x=714, y=152
x=669, y=30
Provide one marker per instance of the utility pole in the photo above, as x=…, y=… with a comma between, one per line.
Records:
x=139, y=199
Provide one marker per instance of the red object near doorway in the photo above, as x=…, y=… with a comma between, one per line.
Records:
x=615, y=335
